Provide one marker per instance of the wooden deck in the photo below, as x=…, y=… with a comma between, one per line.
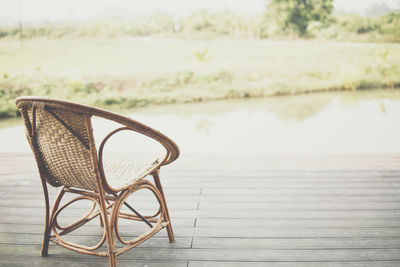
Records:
x=236, y=211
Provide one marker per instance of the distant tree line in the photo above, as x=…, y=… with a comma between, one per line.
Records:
x=283, y=19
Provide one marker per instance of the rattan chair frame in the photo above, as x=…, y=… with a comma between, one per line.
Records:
x=107, y=201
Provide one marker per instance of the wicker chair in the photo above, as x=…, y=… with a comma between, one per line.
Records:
x=61, y=136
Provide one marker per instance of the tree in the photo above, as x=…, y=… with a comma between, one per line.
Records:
x=294, y=16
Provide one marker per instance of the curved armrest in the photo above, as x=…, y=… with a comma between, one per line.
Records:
x=171, y=154
x=172, y=150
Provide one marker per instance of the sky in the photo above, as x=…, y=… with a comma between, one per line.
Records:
x=78, y=10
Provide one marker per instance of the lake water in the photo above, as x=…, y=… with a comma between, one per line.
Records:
x=329, y=123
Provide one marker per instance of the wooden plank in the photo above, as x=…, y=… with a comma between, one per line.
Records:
x=242, y=213
x=272, y=184
x=222, y=254
x=271, y=255
x=283, y=232
x=300, y=191
x=297, y=264
x=261, y=172
x=23, y=219
x=296, y=243
x=210, y=205
x=246, y=184
x=245, y=195
x=291, y=162
x=249, y=198
x=243, y=223
x=70, y=213
x=39, y=196
x=55, y=260
x=310, y=223
x=36, y=239
x=224, y=178
x=143, y=203
x=232, y=243
x=266, y=206
x=287, y=232
x=32, y=175
x=36, y=193
x=291, y=198
x=291, y=172
x=291, y=214
x=252, y=198
x=250, y=182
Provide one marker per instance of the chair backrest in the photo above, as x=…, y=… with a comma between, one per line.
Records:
x=61, y=138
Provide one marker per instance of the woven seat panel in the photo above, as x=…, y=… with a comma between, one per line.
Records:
x=121, y=171
x=67, y=161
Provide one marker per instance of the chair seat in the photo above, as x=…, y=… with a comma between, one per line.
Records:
x=121, y=171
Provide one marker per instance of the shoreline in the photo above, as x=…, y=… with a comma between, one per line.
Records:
x=16, y=120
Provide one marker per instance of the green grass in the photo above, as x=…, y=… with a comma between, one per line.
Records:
x=127, y=72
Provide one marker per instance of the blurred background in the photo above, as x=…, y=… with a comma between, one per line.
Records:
x=220, y=77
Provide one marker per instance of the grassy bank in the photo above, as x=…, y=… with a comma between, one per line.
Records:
x=126, y=72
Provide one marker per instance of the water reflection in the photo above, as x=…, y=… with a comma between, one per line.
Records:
x=350, y=122
x=286, y=108
x=345, y=122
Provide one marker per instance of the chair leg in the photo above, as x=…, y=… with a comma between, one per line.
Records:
x=110, y=245
x=108, y=227
x=47, y=229
x=45, y=243
x=157, y=181
x=113, y=260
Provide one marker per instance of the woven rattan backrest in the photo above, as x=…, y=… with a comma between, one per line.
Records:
x=61, y=139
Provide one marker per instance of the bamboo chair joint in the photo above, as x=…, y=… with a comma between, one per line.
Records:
x=60, y=134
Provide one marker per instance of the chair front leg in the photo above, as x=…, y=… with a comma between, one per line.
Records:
x=156, y=176
x=108, y=225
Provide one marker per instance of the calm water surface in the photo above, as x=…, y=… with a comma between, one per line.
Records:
x=344, y=123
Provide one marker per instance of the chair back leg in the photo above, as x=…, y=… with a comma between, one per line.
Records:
x=45, y=243
x=47, y=229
